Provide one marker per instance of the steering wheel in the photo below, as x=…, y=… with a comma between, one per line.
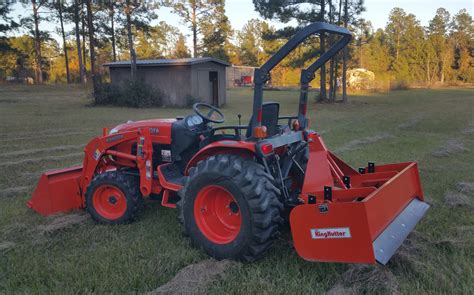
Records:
x=200, y=108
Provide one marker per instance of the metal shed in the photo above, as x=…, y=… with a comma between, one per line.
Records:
x=201, y=79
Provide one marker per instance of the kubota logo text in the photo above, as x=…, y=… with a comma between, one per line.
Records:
x=330, y=233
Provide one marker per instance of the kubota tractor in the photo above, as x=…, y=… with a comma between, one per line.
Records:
x=233, y=191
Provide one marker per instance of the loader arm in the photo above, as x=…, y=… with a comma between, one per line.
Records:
x=262, y=74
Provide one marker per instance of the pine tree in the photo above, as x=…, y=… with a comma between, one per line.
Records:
x=193, y=12
x=58, y=9
x=462, y=36
x=77, y=32
x=216, y=32
x=438, y=31
x=181, y=50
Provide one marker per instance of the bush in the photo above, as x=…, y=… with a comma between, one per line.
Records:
x=106, y=93
x=191, y=100
x=137, y=94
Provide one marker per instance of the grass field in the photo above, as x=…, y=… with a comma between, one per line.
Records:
x=45, y=127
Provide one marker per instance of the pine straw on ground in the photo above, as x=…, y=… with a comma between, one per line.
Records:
x=449, y=148
x=460, y=198
x=359, y=143
x=466, y=187
x=12, y=191
x=5, y=246
x=469, y=129
x=193, y=278
x=411, y=123
x=40, y=159
x=360, y=279
x=456, y=199
x=63, y=221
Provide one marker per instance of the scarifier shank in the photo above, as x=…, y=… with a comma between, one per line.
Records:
x=361, y=224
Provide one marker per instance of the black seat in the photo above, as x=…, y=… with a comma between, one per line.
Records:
x=270, y=114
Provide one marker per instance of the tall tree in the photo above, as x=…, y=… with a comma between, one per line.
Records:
x=181, y=50
x=6, y=25
x=158, y=42
x=344, y=54
x=462, y=36
x=37, y=37
x=250, y=40
x=406, y=39
x=111, y=8
x=77, y=31
x=137, y=18
x=133, y=56
x=91, y=30
x=322, y=40
x=57, y=8
x=395, y=29
x=438, y=31
x=216, y=31
x=193, y=13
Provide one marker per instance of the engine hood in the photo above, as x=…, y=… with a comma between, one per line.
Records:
x=134, y=125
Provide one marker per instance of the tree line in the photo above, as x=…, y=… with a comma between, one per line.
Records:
x=104, y=31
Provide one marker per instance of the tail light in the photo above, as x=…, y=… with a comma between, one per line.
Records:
x=266, y=148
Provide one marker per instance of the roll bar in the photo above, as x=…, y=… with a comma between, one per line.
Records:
x=262, y=74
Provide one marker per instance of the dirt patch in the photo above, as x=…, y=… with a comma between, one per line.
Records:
x=358, y=143
x=363, y=279
x=193, y=278
x=8, y=192
x=451, y=147
x=6, y=246
x=456, y=199
x=63, y=221
x=466, y=187
x=39, y=159
x=34, y=151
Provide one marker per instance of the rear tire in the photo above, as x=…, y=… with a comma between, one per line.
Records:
x=229, y=206
x=114, y=198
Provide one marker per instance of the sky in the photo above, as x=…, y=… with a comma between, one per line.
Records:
x=240, y=11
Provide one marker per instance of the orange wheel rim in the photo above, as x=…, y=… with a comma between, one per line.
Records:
x=217, y=214
x=109, y=202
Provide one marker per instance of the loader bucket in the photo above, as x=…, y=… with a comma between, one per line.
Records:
x=365, y=223
x=57, y=191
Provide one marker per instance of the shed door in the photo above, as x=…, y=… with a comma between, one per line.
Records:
x=213, y=78
x=204, y=86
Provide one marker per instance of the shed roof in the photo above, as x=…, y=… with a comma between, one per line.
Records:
x=165, y=62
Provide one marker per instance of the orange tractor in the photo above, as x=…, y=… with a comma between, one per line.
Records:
x=233, y=191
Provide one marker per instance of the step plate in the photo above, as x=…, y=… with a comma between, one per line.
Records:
x=393, y=236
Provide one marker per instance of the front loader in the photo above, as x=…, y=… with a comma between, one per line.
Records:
x=233, y=186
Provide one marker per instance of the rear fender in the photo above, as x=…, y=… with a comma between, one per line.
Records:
x=233, y=147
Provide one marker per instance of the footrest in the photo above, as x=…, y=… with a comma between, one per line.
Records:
x=170, y=177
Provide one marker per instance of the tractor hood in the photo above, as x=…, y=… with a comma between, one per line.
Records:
x=156, y=124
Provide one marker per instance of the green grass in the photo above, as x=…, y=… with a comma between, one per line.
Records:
x=146, y=254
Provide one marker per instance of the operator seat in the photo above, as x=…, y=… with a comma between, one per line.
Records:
x=270, y=114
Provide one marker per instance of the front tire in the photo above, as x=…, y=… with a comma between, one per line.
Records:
x=113, y=198
x=229, y=206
